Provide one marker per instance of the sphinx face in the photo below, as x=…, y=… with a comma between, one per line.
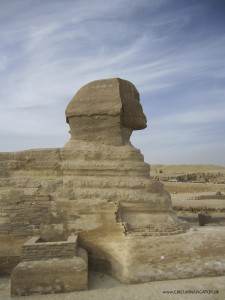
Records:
x=133, y=116
x=105, y=111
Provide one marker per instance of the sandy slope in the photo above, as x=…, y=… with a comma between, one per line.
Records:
x=185, y=169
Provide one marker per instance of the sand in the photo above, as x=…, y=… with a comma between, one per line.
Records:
x=182, y=200
x=185, y=169
x=102, y=286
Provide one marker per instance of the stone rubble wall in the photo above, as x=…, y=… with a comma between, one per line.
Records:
x=162, y=229
x=24, y=214
x=34, y=249
x=44, y=271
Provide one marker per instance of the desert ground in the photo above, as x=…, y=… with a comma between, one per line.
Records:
x=194, y=189
x=199, y=173
x=102, y=286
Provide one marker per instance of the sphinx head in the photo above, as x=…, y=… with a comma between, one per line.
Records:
x=105, y=111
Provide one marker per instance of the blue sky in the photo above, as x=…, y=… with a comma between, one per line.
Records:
x=172, y=50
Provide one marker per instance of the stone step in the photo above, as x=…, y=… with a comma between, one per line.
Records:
x=103, y=182
x=106, y=193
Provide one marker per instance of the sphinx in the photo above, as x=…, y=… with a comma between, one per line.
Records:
x=98, y=187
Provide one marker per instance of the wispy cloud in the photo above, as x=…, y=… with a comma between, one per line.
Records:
x=49, y=49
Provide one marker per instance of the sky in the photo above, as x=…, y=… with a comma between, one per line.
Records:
x=173, y=51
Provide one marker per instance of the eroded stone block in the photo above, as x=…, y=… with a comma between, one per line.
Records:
x=50, y=267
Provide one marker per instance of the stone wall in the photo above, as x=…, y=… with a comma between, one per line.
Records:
x=22, y=214
x=36, y=249
x=163, y=229
x=50, y=267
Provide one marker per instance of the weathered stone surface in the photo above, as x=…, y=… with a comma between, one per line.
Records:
x=98, y=187
x=105, y=111
x=50, y=267
x=38, y=249
x=50, y=276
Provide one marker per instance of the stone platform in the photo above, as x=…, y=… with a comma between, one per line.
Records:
x=50, y=267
